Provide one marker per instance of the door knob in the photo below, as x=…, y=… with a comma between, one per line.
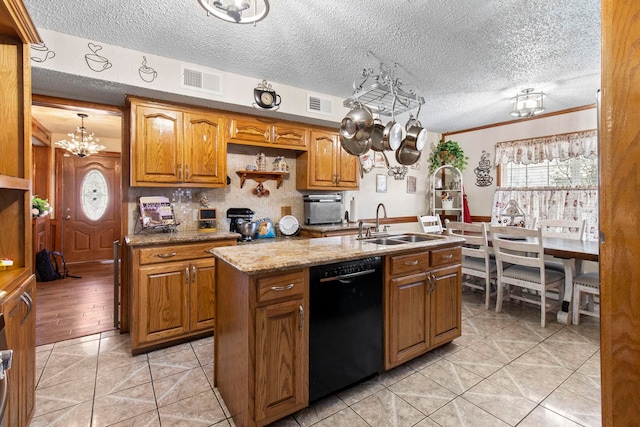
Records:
x=68, y=217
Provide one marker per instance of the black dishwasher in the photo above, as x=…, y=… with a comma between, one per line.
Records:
x=345, y=324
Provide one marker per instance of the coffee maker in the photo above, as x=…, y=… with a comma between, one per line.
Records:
x=238, y=214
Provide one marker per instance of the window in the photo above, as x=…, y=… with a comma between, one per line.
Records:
x=573, y=172
x=95, y=195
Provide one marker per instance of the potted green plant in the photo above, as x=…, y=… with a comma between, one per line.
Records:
x=447, y=153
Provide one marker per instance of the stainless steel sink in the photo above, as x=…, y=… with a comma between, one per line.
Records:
x=412, y=238
x=401, y=239
x=385, y=241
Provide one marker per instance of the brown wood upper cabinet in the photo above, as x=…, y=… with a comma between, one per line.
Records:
x=326, y=166
x=176, y=146
x=266, y=133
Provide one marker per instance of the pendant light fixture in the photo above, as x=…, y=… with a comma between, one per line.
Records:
x=527, y=103
x=237, y=11
x=82, y=144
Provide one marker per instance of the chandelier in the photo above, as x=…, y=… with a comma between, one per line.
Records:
x=81, y=144
x=527, y=103
x=238, y=11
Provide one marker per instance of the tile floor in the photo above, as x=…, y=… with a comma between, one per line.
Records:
x=505, y=370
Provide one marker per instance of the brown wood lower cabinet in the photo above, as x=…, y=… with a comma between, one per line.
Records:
x=20, y=329
x=423, y=303
x=262, y=342
x=173, y=293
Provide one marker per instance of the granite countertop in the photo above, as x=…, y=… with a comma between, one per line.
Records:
x=295, y=253
x=144, y=239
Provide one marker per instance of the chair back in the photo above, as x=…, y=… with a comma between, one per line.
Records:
x=474, y=235
x=518, y=246
x=562, y=228
x=430, y=223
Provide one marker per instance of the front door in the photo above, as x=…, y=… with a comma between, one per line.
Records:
x=90, y=195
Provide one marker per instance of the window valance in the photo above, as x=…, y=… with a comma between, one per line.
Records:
x=536, y=150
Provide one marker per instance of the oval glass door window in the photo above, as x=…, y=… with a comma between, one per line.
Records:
x=95, y=195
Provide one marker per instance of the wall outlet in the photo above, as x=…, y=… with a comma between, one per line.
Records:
x=285, y=210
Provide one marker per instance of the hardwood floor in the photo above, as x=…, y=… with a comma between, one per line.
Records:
x=75, y=307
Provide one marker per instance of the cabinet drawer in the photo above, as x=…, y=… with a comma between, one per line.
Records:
x=440, y=257
x=403, y=264
x=166, y=253
x=281, y=286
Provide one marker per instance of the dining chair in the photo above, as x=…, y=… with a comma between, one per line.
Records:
x=562, y=228
x=520, y=264
x=430, y=223
x=476, y=259
x=589, y=284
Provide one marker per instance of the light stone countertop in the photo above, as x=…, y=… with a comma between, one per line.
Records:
x=284, y=254
x=158, y=238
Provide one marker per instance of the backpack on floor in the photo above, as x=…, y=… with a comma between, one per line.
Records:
x=47, y=266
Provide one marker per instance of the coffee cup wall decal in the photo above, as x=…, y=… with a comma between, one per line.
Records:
x=147, y=73
x=266, y=97
x=96, y=61
x=41, y=52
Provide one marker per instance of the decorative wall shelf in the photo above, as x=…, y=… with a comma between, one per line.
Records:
x=261, y=177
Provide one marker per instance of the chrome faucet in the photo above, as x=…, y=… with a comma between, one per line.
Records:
x=378, y=216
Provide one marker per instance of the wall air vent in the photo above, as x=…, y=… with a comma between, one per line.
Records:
x=315, y=104
x=202, y=81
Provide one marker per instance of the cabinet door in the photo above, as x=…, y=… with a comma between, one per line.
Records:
x=281, y=372
x=156, y=145
x=202, y=297
x=161, y=303
x=204, y=150
x=20, y=330
x=323, y=159
x=295, y=136
x=446, y=305
x=407, y=318
x=245, y=129
x=347, y=168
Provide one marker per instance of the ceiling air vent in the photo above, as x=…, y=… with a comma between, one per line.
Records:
x=201, y=81
x=315, y=104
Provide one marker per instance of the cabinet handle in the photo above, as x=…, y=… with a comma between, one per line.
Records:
x=414, y=262
x=337, y=179
x=301, y=311
x=186, y=275
x=283, y=288
x=186, y=171
x=180, y=170
x=433, y=281
x=169, y=255
x=26, y=299
x=193, y=273
x=267, y=136
x=275, y=137
x=447, y=256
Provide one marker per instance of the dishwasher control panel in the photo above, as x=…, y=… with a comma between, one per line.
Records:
x=349, y=267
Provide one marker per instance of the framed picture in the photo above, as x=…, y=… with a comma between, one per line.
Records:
x=378, y=160
x=411, y=184
x=381, y=183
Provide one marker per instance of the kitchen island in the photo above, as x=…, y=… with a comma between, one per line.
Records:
x=261, y=352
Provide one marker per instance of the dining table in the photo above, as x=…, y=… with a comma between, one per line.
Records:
x=571, y=253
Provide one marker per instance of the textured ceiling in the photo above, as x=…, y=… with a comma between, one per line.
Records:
x=466, y=58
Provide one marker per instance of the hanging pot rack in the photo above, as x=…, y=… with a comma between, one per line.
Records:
x=379, y=95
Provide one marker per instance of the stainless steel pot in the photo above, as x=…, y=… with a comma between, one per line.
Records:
x=416, y=134
x=355, y=147
x=407, y=156
x=392, y=134
x=357, y=124
x=377, y=136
